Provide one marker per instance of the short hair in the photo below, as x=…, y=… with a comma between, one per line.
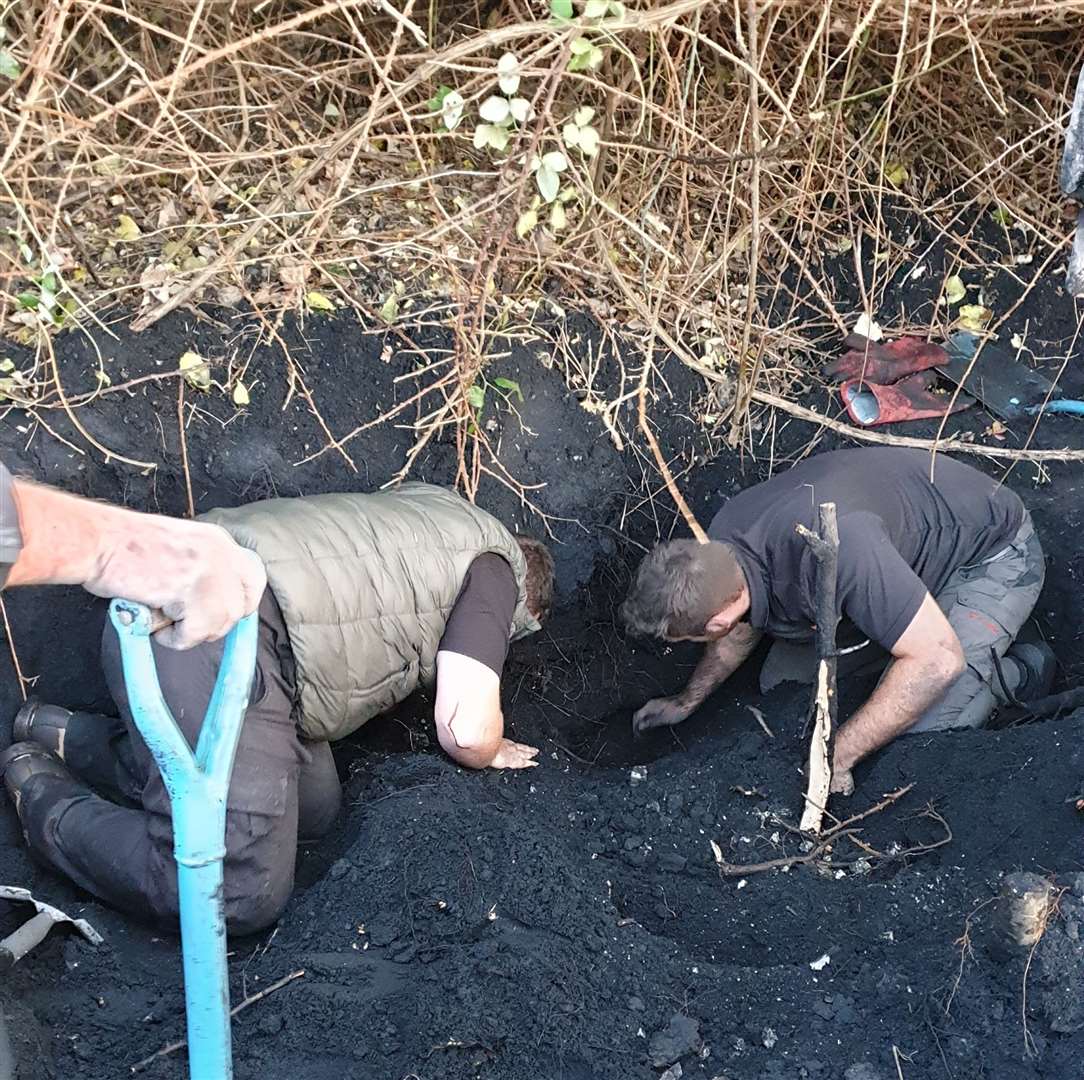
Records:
x=679, y=586
x=540, y=576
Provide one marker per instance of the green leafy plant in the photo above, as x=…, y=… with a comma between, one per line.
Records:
x=500, y=112
x=580, y=134
x=586, y=55
x=448, y=104
x=10, y=68
x=47, y=298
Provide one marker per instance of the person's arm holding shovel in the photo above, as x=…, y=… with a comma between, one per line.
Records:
x=199, y=581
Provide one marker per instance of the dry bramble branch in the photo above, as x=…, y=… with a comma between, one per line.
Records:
x=749, y=156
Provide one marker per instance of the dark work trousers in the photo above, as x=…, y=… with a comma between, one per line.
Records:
x=117, y=841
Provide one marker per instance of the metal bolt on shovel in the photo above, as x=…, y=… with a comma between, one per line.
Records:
x=197, y=785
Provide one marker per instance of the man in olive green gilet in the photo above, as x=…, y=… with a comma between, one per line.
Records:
x=369, y=597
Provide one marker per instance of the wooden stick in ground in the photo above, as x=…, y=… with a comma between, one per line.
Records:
x=668, y=478
x=825, y=547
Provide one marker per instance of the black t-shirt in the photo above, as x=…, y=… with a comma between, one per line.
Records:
x=899, y=536
x=480, y=624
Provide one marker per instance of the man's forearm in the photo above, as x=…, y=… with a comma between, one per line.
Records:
x=910, y=687
x=193, y=575
x=720, y=660
x=62, y=536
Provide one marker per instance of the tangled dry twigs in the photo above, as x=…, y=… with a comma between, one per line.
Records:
x=265, y=149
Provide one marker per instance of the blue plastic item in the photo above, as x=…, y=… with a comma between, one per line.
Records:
x=1069, y=406
x=197, y=785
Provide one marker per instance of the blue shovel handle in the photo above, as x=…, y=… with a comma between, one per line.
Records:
x=197, y=784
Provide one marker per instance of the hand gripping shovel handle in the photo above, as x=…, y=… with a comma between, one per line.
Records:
x=197, y=783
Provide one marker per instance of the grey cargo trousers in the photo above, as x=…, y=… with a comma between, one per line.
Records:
x=114, y=837
x=986, y=603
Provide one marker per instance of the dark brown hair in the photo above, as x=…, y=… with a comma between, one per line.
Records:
x=679, y=586
x=539, y=576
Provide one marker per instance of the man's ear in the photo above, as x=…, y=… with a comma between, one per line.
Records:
x=723, y=621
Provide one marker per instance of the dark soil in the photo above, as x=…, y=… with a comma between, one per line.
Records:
x=569, y=922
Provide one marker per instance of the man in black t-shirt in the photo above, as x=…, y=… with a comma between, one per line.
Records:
x=941, y=573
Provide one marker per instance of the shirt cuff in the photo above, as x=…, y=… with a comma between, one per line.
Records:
x=11, y=537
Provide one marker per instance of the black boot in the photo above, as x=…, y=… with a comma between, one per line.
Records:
x=42, y=724
x=23, y=761
x=1036, y=665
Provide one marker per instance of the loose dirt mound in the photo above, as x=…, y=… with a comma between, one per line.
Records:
x=570, y=922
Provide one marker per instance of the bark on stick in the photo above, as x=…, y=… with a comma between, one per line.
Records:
x=825, y=547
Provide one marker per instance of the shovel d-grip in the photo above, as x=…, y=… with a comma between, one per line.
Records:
x=197, y=784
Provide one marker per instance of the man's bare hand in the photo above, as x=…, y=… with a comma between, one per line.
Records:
x=660, y=712
x=514, y=755
x=196, y=579
x=195, y=574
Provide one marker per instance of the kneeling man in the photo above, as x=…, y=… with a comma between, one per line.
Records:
x=941, y=573
x=368, y=597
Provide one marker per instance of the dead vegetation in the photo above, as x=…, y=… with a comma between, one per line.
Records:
x=295, y=155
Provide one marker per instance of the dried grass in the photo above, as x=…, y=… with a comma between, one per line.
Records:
x=266, y=149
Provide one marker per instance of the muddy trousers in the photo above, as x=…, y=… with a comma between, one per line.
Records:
x=113, y=835
x=986, y=604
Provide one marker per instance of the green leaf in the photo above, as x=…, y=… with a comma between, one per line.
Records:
x=317, y=301
x=389, y=310
x=476, y=396
x=240, y=394
x=437, y=100
x=9, y=66
x=28, y=301
x=1002, y=217
x=596, y=9
x=561, y=9
x=7, y=364
x=558, y=217
x=197, y=373
x=548, y=183
x=954, y=289
x=581, y=46
x=974, y=317
x=127, y=230
x=589, y=141
x=495, y=110
x=526, y=222
x=896, y=173
x=510, y=385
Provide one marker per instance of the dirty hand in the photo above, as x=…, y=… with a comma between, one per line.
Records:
x=514, y=755
x=842, y=782
x=659, y=712
x=195, y=577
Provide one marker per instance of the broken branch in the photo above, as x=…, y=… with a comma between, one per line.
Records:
x=844, y=830
x=180, y=1044
x=825, y=548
